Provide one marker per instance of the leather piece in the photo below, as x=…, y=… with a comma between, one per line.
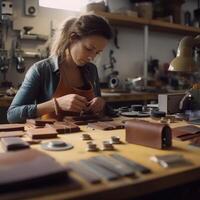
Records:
x=42, y=133
x=148, y=134
x=64, y=127
x=86, y=118
x=11, y=127
x=13, y=143
x=28, y=166
x=12, y=134
x=134, y=165
x=195, y=142
x=101, y=126
x=84, y=172
x=106, y=125
x=187, y=132
x=40, y=122
x=113, y=165
x=99, y=170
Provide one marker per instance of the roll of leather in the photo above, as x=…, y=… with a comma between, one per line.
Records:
x=155, y=135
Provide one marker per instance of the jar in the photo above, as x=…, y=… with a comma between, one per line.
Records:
x=144, y=9
x=96, y=6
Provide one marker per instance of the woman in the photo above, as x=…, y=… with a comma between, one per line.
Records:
x=66, y=81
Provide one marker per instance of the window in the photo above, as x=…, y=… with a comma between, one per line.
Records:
x=73, y=5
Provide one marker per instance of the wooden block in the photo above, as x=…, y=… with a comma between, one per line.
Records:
x=13, y=143
x=11, y=127
x=42, y=133
x=101, y=126
x=64, y=127
x=12, y=134
x=40, y=122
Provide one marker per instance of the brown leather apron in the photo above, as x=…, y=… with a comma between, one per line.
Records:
x=63, y=89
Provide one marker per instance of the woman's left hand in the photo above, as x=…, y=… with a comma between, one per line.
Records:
x=96, y=105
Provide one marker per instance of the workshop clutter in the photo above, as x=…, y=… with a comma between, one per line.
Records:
x=148, y=9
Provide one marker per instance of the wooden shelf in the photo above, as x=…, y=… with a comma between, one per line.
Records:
x=155, y=25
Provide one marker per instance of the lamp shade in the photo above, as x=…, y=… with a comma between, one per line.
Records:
x=184, y=61
x=183, y=64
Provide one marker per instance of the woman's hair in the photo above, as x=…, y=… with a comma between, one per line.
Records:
x=83, y=26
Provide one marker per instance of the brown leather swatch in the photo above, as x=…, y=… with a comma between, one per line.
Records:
x=106, y=125
x=40, y=122
x=12, y=134
x=13, y=143
x=86, y=118
x=42, y=133
x=12, y=127
x=187, y=132
x=64, y=127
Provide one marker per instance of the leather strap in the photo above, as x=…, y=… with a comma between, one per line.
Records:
x=84, y=171
x=114, y=165
x=99, y=170
x=58, y=111
x=136, y=166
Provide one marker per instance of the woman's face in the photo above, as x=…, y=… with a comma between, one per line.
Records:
x=86, y=49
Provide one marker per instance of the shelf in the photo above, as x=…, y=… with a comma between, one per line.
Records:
x=155, y=25
x=34, y=37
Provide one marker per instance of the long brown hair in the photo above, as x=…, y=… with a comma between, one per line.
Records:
x=83, y=26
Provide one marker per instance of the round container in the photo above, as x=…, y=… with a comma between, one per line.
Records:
x=96, y=7
x=144, y=9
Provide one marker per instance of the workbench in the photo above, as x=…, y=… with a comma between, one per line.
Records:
x=126, y=187
x=128, y=96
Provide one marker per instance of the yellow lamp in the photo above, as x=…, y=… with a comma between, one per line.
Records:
x=184, y=61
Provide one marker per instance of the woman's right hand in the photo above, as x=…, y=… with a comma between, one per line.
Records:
x=72, y=102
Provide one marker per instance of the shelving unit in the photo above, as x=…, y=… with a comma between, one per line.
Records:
x=154, y=25
x=148, y=25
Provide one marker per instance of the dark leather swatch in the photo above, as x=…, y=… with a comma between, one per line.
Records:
x=13, y=143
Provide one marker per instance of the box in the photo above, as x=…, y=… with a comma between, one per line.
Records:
x=169, y=103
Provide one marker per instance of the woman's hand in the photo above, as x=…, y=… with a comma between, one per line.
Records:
x=72, y=103
x=96, y=105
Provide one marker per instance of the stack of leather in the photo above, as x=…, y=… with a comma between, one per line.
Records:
x=184, y=133
x=109, y=168
x=11, y=130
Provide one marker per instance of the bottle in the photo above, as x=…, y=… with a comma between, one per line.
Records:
x=187, y=18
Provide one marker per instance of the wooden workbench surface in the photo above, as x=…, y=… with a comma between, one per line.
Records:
x=126, y=187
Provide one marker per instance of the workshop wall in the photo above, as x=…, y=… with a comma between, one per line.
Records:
x=129, y=56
